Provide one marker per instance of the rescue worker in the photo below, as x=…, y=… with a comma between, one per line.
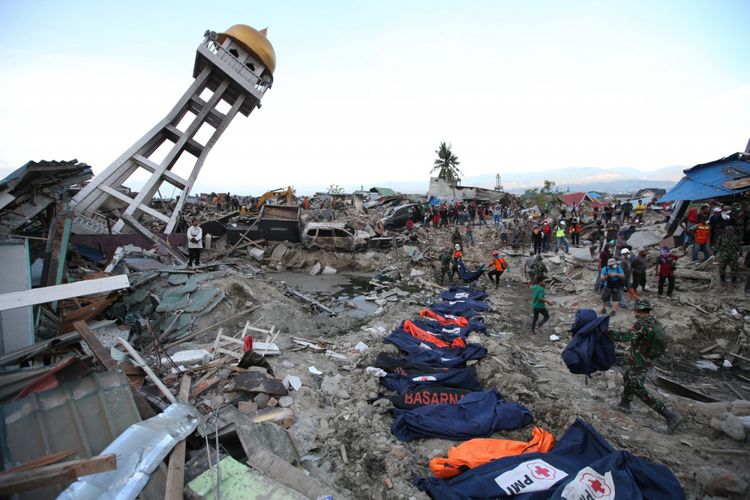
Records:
x=456, y=237
x=445, y=265
x=730, y=249
x=560, y=238
x=613, y=280
x=540, y=269
x=455, y=258
x=701, y=239
x=639, y=267
x=497, y=267
x=648, y=341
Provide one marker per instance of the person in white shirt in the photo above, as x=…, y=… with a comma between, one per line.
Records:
x=195, y=243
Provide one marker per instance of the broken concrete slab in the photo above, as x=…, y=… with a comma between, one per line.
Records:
x=645, y=238
x=329, y=270
x=204, y=299
x=266, y=435
x=275, y=467
x=258, y=382
x=177, y=279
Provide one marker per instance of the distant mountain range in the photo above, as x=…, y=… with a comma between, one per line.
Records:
x=572, y=179
x=620, y=180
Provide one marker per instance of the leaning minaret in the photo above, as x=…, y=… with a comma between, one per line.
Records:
x=236, y=67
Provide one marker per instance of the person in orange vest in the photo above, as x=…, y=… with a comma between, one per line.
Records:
x=497, y=267
x=701, y=239
x=457, y=256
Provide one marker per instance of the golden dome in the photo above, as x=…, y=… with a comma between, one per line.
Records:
x=254, y=41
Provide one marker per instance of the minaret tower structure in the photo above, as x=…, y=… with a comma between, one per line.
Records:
x=233, y=70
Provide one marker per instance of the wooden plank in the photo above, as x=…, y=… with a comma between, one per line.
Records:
x=46, y=294
x=100, y=352
x=176, y=470
x=14, y=482
x=42, y=461
x=149, y=372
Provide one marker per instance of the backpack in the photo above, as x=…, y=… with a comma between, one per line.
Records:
x=590, y=350
x=658, y=343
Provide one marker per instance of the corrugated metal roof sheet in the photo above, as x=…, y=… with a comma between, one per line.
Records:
x=725, y=177
x=85, y=415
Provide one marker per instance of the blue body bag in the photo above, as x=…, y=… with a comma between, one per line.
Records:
x=477, y=414
x=590, y=350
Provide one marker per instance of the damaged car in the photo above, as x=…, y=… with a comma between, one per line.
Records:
x=396, y=217
x=334, y=236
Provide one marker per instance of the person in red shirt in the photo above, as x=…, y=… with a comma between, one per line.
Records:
x=547, y=232
x=665, y=266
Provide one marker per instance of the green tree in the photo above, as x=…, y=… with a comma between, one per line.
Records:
x=447, y=165
x=548, y=185
x=335, y=189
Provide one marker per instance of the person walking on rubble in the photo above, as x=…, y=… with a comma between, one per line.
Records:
x=455, y=258
x=528, y=268
x=730, y=249
x=639, y=267
x=536, y=239
x=195, y=243
x=665, y=266
x=539, y=304
x=497, y=267
x=540, y=269
x=445, y=265
x=456, y=237
x=648, y=342
x=613, y=281
x=469, y=233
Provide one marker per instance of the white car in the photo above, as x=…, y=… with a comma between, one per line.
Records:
x=334, y=236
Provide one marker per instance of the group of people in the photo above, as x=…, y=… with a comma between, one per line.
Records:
x=461, y=213
x=451, y=261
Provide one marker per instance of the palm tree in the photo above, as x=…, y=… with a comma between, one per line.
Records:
x=447, y=164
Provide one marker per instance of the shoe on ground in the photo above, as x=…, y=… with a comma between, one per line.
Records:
x=674, y=419
x=604, y=310
x=624, y=406
x=613, y=312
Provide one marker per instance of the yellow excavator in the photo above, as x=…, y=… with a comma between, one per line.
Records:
x=280, y=194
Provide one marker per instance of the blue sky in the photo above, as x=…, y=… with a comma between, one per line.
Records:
x=365, y=91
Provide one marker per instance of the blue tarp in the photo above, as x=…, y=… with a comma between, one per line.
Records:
x=712, y=180
x=582, y=465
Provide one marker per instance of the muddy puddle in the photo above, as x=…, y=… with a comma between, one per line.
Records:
x=345, y=292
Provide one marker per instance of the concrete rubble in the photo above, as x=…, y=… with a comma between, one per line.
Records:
x=297, y=412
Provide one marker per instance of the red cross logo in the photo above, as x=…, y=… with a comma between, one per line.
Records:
x=541, y=470
x=596, y=485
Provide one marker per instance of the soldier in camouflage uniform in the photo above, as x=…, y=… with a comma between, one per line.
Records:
x=730, y=248
x=540, y=269
x=642, y=355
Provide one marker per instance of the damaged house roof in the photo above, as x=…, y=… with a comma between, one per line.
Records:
x=28, y=190
x=725, y=177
